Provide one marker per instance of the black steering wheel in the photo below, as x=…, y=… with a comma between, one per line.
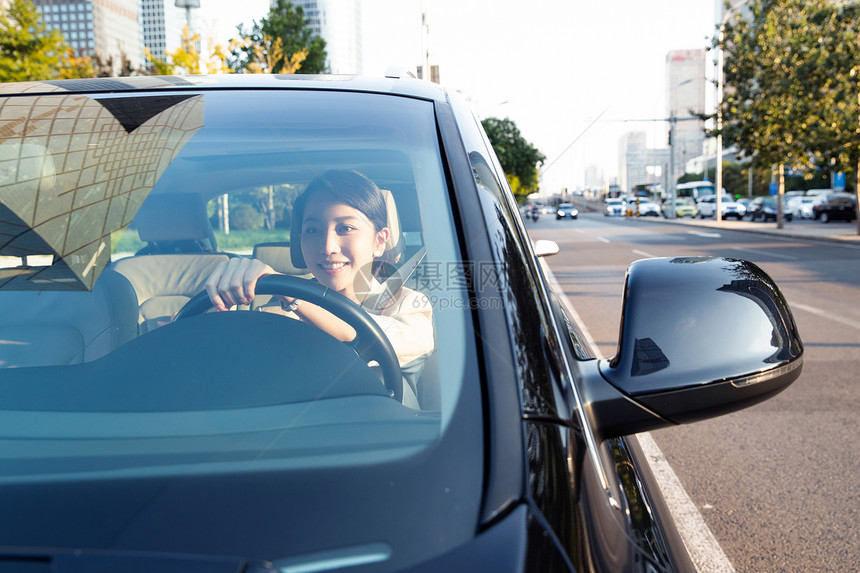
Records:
x=370, y=341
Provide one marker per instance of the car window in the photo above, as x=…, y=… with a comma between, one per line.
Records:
x=121, y=207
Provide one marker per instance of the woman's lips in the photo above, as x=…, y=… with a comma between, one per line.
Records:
x=333, y=267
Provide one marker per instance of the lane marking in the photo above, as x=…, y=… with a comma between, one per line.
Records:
x=704, y=234
x=764, y=253
x=644, y=254
x=703, y=547
x=825, y=314
x=603, y=239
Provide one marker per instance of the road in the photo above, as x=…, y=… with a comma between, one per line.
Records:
x=777, y=483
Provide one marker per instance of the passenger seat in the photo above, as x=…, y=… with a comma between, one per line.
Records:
x=181, y=252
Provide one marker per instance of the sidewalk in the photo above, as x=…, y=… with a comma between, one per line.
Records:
x=834, y=232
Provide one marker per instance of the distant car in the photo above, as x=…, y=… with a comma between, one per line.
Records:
x=566, y=211
x=647, y=209
x=765, y=209
x=684, y=207
x=818, y=192
x=840, y=206
x=801, y=207
x=614, y=208
x=729, y=208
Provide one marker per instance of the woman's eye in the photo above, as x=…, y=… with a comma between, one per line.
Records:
x=343, y=229
x=310, y=231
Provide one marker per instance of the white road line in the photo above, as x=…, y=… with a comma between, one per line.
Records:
x=704, y=234
x=704, y=550
x=824, y=314
x=603, y=239
x=765, y=253
x=644, y=254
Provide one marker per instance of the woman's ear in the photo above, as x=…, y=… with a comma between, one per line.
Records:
x=381, y=238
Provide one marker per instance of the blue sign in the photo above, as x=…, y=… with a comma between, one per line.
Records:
x=839, y=181
x=774, y=188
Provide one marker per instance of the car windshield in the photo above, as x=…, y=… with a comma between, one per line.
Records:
x=115, y=210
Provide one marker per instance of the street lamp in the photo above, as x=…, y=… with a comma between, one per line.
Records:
x=718, y=214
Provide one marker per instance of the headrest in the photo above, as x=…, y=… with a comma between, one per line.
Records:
x=174, y=217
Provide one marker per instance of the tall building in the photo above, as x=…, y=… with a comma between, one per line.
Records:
x=162, y=22
x=686, y=85
x=338, y=22
x=107, y=28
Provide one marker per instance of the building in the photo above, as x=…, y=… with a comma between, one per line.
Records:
x=686, y=84
x=639, y=164
x=109, y=29
x=162, y=22
x=338, y=22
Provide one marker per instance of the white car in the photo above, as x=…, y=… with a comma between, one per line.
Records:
x=614, y=208
x=647, y=208
x=801, y=207
x=729, y=208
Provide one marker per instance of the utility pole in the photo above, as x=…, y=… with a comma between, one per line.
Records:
x=672, y=121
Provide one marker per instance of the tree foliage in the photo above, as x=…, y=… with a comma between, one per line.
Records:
x=28, y=51
x=282, y=42
x=187, y=59
x=791, y=76
x=519, y=158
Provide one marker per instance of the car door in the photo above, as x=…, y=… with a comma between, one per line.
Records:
x=579, y=512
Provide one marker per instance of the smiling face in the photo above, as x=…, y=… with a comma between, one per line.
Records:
x=339, y=244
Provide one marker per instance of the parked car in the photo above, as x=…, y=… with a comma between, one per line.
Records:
x=566, y=211
x=836, y=207
x=684, y=207
x=614, y=208
x=765, y=209
x=142, y=433
x=646, y=208
x=801, y=207
x=729, y=208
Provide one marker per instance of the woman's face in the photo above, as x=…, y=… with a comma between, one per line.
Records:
x=339, y=243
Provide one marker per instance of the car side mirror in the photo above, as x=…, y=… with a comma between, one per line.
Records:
x=699, y=337
x=545, y=248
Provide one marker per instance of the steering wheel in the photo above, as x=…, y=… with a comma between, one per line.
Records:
x=370, y=341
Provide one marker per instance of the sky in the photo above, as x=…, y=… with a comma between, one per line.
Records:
x=572, y=74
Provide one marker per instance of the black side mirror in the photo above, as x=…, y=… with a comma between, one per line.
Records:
x=700, y=337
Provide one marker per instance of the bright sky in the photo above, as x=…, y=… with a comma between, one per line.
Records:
x=553, y=66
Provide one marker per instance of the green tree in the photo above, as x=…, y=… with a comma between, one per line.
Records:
x=519, y=158
x=791, y=76
x=28, y=51
x=282, y=42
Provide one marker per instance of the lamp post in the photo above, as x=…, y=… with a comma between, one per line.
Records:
x=718, y=214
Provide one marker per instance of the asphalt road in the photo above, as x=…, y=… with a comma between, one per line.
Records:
x=777, y=483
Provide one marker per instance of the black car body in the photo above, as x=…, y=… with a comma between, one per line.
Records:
x=836, y=207
x=765, y=209
x=139, y=438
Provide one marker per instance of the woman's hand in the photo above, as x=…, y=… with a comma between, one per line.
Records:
x=233, y=281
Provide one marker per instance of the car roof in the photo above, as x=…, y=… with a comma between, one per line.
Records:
x=394, y=83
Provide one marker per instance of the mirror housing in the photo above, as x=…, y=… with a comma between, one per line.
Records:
x=545, y=248
x=700, y=337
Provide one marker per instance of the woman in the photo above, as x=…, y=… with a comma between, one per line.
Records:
x=341, y=226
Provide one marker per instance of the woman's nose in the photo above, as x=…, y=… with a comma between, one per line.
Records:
x=332, y=243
